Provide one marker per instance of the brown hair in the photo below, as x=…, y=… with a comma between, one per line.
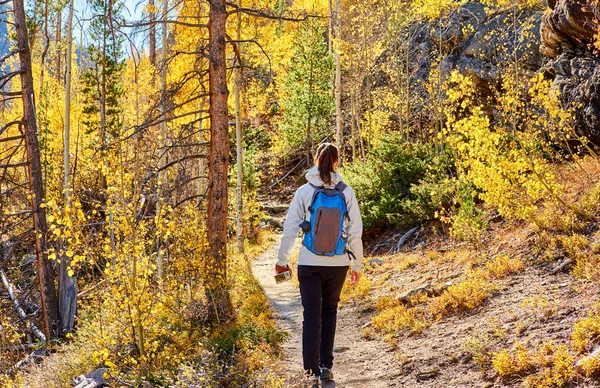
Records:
x=327, y=157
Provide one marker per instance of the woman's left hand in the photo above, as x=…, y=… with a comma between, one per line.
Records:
x=280, y=269
x=354, y=278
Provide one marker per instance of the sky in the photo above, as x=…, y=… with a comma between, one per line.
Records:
x=3, y=37
x=132, y=10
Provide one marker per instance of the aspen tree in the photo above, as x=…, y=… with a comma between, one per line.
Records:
x=67, y=281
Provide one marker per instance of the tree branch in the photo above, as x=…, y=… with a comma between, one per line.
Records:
x=187, y=157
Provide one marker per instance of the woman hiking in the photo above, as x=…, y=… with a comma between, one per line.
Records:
x=327, y=211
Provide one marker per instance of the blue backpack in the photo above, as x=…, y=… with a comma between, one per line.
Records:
x=323, y=234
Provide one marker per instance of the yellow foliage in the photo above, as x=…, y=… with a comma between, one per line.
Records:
x=360, y=292
x=502, y=266
x=468, y=294
x=503, y=162
x=517, y=362
x=585, y=331
x=395, y=317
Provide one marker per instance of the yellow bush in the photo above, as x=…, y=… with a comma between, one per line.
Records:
x=562, y=368
x=478, y=345
x=361, y=291
x=585, y=330
x=395, y=316
x=502, y=266
x=517, y=362
x=590, y=365
x=555, y=364
x=468, y=294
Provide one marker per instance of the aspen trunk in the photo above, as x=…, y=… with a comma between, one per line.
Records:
x=152, y=33
x=338, y=83
x=67, y=285
x=216, y=284
x=162, y=174
x=238, y=140
x=58, y=33
x=48, y=297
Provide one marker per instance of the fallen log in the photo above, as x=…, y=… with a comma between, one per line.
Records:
x=22, y=315
x=561, y=266
x=33, y=357
x=405, y=237
x=278, y=181
x=92, y=380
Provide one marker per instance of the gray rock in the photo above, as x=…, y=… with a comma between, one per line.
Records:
x=405, y=296
x=340, y=349
x=376, y=261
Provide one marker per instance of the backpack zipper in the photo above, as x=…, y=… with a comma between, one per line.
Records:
x=318, y=221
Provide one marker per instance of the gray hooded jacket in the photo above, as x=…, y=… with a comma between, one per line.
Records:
x=298, y=212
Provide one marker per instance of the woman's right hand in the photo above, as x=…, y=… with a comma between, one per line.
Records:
x=354, y=278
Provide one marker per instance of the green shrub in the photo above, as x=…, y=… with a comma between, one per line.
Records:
x=401, y=184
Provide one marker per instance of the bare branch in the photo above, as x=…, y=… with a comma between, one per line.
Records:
x=182, y=159
x=22, y=315
x=185, y=182
x=234, y=41
x=10, y=54
x=10, y=124
x=189, y=199
x=14, y=165
x=177, y=22
x=11, y=138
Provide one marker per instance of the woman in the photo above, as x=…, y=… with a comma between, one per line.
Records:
x=322, y=276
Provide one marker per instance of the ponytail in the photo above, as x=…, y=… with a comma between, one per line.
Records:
x=327, y=157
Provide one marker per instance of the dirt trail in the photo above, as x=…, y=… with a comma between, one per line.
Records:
x=361, y=363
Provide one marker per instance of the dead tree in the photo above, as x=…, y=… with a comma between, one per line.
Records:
x=48, y=297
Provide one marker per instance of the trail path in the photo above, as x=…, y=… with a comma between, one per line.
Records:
x=361, y=363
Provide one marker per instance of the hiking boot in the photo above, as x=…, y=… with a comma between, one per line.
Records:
x=312, y=381
x=326, y=374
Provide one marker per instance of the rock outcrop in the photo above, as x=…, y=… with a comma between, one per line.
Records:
x=557, y=38
x=471, y=39
x=568, y=35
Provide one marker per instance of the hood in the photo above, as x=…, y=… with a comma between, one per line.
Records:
x=312, y=176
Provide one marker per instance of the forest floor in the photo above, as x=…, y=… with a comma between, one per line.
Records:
x=530, y=306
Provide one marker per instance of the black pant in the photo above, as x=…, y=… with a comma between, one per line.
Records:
x=320, y=288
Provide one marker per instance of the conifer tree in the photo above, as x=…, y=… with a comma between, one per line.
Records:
x=308, y=109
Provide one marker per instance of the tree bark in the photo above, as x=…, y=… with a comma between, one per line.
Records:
x=238, y=140
x=67, y=285
x=58, y=37
x=162, y=173
x=152, y=33
x=216, y=283
x=338, y=82
x=48, y=297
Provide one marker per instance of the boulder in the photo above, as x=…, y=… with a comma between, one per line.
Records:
x=568, y=37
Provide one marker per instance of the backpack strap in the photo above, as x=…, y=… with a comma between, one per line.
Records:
x=318, y=189
x=341, y=186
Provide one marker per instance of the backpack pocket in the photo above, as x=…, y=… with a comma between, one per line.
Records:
x=327, y=229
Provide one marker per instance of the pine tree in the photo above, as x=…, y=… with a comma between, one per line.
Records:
x=308, y=109
x=103, y=80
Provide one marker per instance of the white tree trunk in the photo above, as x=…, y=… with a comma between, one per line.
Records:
x=67, y=291
x=338, y=81
x=238, y=139
x=162, y=174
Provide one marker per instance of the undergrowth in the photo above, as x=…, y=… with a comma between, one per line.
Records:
x=240, y=352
